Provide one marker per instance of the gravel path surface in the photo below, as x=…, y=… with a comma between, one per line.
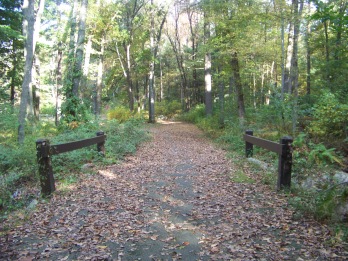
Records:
x=172, y=200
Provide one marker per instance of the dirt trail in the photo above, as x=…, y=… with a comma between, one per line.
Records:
x=172, y=200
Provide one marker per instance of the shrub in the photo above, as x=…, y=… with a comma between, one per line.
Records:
x=75, y=110
x=330, y=118
x=121, y=114
x=194, y=115
x=48, y=109
x=168, y=108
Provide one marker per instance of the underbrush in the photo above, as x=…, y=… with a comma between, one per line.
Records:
x=167, y=109
x=19, y=172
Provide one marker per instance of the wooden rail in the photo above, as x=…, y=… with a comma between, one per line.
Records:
x=283, y=149
x=44, y=151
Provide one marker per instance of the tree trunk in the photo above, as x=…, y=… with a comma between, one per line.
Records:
x=208, y=85
x=58, y=81
x=13, y=75
x=222, y=104
x=161, y=93
x=289, y=53
x=36, y=87
x=29, y=32
x=193, y=31
x=99, y=86
x=152, y=71
x=129, y=78
x=146, y=92
x=283, y=56
x=84, y=80
x=207, y=72
x=294, y=62
x=80, y=48
x=238, y=87
x=71, y=53
x=308, y=54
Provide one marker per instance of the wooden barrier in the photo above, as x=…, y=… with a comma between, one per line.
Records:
x=283, y=149
x=44, y=151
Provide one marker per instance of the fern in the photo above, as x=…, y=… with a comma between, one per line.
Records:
x=321, y=155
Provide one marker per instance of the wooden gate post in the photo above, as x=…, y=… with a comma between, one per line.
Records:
x=249, y=146
x=101, y=145
x=45, y=166
x=284, y=165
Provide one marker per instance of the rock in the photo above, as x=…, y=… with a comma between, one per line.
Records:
x=341, y=177
x=342, y=211
x=33, y=204
x=88, y=166
x=262, y=164
x=309, y=183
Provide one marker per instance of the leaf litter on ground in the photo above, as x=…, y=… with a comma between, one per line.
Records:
x=172, y=200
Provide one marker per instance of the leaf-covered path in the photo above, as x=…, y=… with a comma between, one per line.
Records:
x=173, y=200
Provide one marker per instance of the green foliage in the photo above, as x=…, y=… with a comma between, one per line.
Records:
x=322, y=204
x=48, y=109
x=330, y=118
x=168, y=109
x=194, y=115
x=310, y=155
x=75, y=110
x=277, y=116
x=240, y=177
x=124, y=138
x=120, y=113
x=321, y=155
x=18, y=165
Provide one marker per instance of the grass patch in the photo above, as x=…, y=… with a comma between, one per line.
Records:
x=240, y=177
x=19, y=181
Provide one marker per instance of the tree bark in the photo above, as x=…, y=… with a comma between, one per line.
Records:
x=287, y=78
x=36, y=87
x=283, y=56
x=308, y=53
x=222, y=104
x=130, y=88
x=58, y=81
x=29, y=32
x=152, y=70
x=71, y=53
x=99, y=86
x=79, y=48
x=294, y=61
x=207, y=71
x=238, y=86
x=84, y=79
x=13, y=75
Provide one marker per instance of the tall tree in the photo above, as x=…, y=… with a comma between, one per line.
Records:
x=152, y=68
x=80, y=48
x=207, y=69
x=29, y=32
x=238, y=87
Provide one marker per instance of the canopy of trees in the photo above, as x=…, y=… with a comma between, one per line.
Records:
x=83, y=56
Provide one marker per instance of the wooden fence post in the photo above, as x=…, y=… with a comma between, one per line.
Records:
x=45, y=166
x=284, y=165
x=249, y=146
x=101, y=145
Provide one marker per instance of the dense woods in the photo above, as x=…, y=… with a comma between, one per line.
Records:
x=99, y=52
x=278, y=67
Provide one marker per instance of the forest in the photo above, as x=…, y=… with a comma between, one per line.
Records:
x=70, y=68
